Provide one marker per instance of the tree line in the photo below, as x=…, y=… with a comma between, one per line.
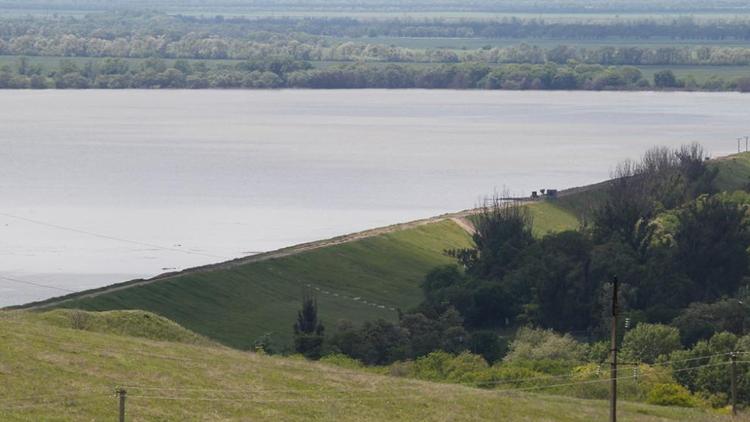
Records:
x=148, y=34
x=282, y=72
x=211, y=47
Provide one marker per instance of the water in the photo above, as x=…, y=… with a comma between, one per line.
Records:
x=103, y=186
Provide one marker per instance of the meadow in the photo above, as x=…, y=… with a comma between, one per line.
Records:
x=51, y=372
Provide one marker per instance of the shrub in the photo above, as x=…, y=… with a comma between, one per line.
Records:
x=442, y=366
x=341, y=360
x=665, y=79
x=402, y=369
x=671, y=395
x=646, y=342
x=502, y=376
x=488, y=344
x=743, y=84
x=536, y=344
x=79, y=320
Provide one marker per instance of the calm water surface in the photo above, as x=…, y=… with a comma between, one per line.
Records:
x=103, y=186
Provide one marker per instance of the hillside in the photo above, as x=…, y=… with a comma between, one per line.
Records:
x=53, y=373
x=359, y=280
x=125, y=323
x=358, y=277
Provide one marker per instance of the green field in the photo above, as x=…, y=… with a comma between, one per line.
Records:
x=476, y=43
x=734, y=172
x=50, y=373
x=700, y=73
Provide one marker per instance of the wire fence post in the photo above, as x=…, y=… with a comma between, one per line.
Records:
x=121, y=394
x=733, y=376
x=613, y=362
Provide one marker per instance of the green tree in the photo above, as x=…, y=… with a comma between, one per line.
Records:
x=665, y=79
x=646, y=342
x=308, y=330
x=712, y=241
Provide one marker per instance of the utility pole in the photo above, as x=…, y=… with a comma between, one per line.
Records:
x=746, y=139
x=613, y=350
x=121, y=394
x=733, y=375
x=738, y=145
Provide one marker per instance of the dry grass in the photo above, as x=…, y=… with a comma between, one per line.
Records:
x=51, y=373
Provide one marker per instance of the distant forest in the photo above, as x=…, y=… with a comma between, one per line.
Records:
x=177, y=51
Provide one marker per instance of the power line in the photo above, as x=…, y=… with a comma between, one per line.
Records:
x=251, y=400
x=33, y=283
x=108, y=237
x=692, y=359
x=166, y=248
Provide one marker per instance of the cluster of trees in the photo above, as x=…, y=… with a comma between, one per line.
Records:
x=678, y=246
x=150, y=74
x=206, y=46
x=668, y=373
x=142, y=35
x=661, y=227
x=288, y=73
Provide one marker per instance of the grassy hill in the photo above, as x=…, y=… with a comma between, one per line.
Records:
x=734, y=171
x=127, y=323
x=52, y=373
x=359, y=280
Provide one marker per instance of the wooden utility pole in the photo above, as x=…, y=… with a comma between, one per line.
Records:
x=733, y=376
x=613, y=364
x=121, y=394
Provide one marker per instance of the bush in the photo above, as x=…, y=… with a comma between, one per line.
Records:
x=502, y=377
x=536, y=344
x=743, y=84
x=341, y=360
x=442, y=366
x=665, y=79
x=671, y=395
x=488, y=344
x=79, y=320
x=646, y=342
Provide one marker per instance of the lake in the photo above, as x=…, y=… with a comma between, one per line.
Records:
x=103, y=186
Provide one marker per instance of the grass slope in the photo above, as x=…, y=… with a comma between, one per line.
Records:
x=125, y=323
x=551, y=217
x=360, y=280
x=51, y=373
x=734, y=171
